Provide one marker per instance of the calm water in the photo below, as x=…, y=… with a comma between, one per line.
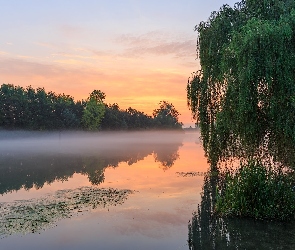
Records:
x=99, y=191
x=208, y=232
x=117, y=191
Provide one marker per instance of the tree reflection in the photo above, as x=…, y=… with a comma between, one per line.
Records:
x=28, y=169
x=94, y=168
x=30, y=216
x=166, y=155
x=207, y=231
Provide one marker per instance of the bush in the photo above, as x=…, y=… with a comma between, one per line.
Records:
x=254, y=190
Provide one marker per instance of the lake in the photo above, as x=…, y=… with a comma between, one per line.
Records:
x=132, y=190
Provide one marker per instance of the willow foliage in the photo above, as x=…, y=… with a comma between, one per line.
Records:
x=244, y=95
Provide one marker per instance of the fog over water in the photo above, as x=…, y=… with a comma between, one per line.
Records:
x=82, y=142
x=31, y=159
x=116, y=190
x=127, y=190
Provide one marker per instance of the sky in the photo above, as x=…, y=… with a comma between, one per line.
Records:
x=138, y=52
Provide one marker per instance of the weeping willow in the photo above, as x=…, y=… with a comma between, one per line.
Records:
x=243, y=97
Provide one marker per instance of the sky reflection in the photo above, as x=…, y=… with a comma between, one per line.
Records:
x=154, y=216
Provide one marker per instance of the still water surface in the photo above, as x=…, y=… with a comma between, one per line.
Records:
x=117, y=191
x=99, y=191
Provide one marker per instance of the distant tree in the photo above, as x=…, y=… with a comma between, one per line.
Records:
x=113, y=118
x=13, y=106
x=138, y=120
x=166, y=116
x=129, y=119
x=98, y=96
x=36, y=109
x=94, y=110
x=31, y=95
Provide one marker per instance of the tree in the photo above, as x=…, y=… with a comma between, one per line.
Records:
x=137, y=120
x=166, y=116
x=208, y=231
x=244, y=95
x=98, y=96
x=113, y=118
x=13, y=106
x=94, y=110
x=129, y=119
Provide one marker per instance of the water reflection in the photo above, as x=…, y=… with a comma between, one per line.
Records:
x=30, y=216
x=30, y=161
x=166, y=155
x=208, y=232
x=154, y=216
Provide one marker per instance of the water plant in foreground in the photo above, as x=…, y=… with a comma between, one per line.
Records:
x=254, y=190
x=35, y=215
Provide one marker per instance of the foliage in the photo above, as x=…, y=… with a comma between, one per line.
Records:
x=243, y=100
x=137, y=120
x=208, y=231
x=97, y=95
x=129, y=119
x=255, y=191
x=92, y=115
x=166, y=116
x=113, y=118
x=36, y=109
x=94, y=110
x=243, y=96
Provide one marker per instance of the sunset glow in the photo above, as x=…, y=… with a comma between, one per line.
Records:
x=137, y=52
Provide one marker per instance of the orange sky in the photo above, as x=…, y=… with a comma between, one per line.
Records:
x=137, y=52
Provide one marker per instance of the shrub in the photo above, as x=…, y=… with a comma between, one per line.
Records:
x=254, y=190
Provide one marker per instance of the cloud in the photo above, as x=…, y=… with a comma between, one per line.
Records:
x=130, y=86
x=176, y=49
x=63, y=79
x=117, y=83
x=81, y=56
x=70, y=55
x=158, y=43
x=13, y=66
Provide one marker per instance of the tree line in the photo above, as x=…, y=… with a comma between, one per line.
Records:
x=36, y=109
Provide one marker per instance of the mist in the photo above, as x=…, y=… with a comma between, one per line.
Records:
x=83, y=143
x=31, y=159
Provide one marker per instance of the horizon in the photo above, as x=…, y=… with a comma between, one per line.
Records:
x=137, y=52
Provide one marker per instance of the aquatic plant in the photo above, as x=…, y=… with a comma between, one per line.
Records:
x=190, y=174
x=35, y=215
